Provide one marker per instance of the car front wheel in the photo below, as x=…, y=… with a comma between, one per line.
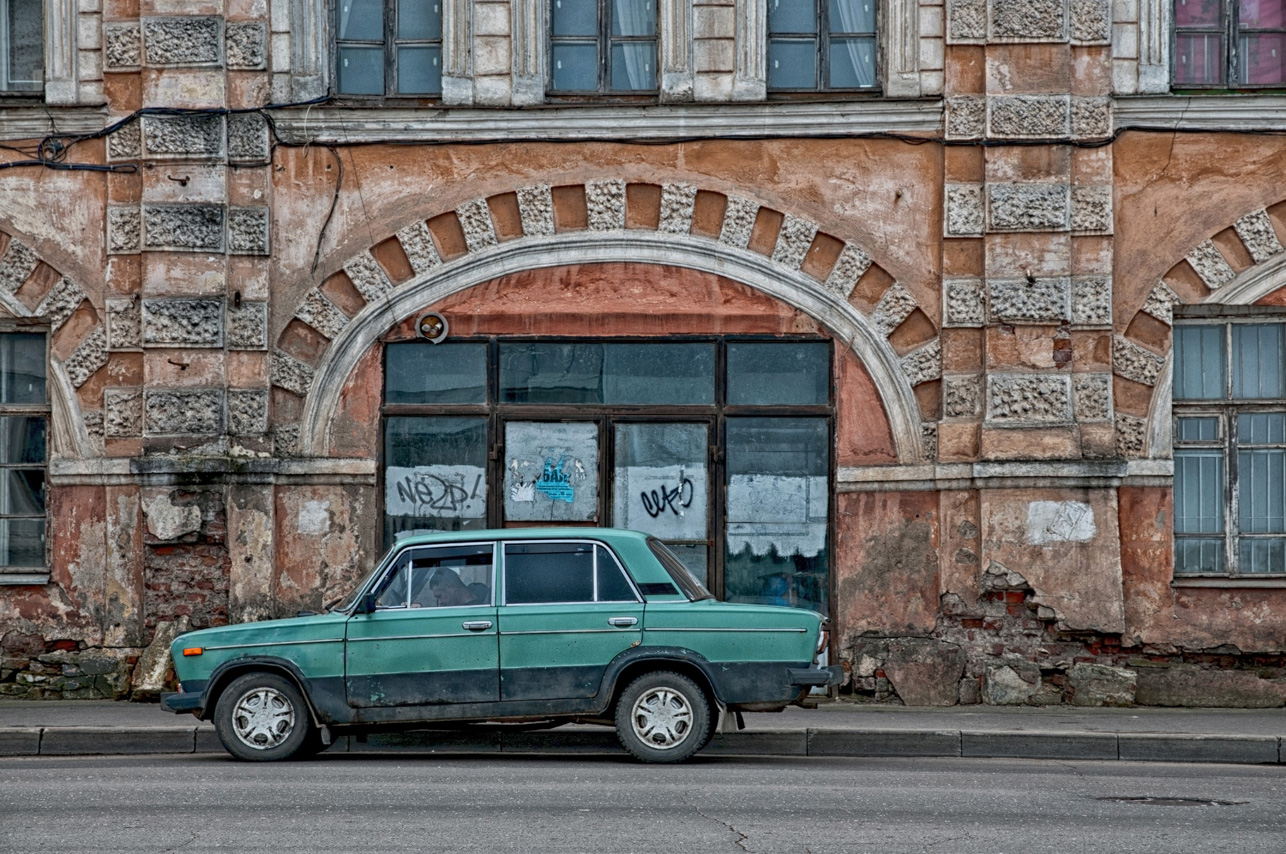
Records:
x=262, y=717
x=663, y=717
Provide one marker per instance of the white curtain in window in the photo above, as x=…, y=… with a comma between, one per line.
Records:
x=636, y=17
x=848, y=20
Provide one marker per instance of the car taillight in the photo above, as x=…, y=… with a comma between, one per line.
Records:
x=823, y=640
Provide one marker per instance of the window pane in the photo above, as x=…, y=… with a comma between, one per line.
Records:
x=22, y=542
x=852, y=63
x=777, y=510
x=761, y=374
x=1198, y=492
x=22, y=368
x=419, y=19
x=1197, y=13
x=633, y=66
x=1260, y=481
x=575, y=66
x=551, y=472
x=1261, y=13
x=792, y=63
x=419, y=70
x=660, y=484
x=612, y=586
x=1198, y=59
x=450, y=372
x=361, y=70
x=792, y=16
x=26, y=46
x=1198, y=363
x=1258, y=554
x=658, y=373
x=1261, y=59
x=633, y=18
x=551, y=373
x=1204, y=429
x=1261, y=428
x=1257, y=361
x=22, y=492
x=22, y=439
x=451, y=577
x=361, y=19
x=1198, y=556
x=549, y=572
x=436, y=474
x=852, y=16
x=575, y=18
x=695, y=558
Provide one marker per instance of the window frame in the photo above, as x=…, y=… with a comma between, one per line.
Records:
x=1229, y=33
x=17, y=574
x=38, y=93
x=604, y=41
x=390, y=44
x=823, y=38
x=716, y=414
x=1227, y=409
x=596, y=546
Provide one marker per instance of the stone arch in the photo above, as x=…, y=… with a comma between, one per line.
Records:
x=788, y=257
x=1240, y=265
x=32, y=288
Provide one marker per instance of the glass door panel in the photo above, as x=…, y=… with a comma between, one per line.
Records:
x=551, y=472
x=435, y=475
x=662, y=486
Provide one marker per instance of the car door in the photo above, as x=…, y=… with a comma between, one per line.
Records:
x=568, y=610
x=432, y=636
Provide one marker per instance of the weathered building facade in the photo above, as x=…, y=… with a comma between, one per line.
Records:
x=950, y=319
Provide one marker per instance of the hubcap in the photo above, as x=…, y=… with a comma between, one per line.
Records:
x=263, y=718
x=662, y=718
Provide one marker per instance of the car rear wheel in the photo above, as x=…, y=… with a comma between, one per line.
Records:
x=663, y=717
x=262, y=717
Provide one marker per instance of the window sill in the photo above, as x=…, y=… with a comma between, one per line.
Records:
x=35, y=577
x=1274, y=582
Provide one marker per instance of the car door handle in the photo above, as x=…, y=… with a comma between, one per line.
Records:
x=477, y=625
x=622, y=622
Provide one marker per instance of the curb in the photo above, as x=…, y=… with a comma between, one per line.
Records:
x=1129, y=747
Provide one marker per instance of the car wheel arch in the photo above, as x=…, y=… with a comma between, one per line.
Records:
x=684, y=662
x=224, y=675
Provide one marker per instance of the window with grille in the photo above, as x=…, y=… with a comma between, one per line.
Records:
x=821, y=45
x=603, y=47
x=1230, y=448
x=388, y=47
x=22, y=47
x=1229, y=44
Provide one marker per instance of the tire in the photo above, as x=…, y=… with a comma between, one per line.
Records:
x=262, y=717
x=663, y=717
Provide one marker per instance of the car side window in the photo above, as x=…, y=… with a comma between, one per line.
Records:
x=440, y=577
x=538, y=573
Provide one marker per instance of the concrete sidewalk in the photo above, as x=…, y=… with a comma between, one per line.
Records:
x=1245, y=736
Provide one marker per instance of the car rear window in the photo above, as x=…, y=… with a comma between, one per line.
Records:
x=686, y=581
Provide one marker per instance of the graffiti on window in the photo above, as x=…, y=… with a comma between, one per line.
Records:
x=442, y=491
x=551, y=472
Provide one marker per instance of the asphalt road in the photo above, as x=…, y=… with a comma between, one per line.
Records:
x=536, y=803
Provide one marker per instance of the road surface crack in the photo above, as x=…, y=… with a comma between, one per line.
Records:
x=740, y=841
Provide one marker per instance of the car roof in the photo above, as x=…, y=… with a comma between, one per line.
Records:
x=608, y=534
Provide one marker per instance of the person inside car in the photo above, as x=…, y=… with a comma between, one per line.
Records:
x=449, y=590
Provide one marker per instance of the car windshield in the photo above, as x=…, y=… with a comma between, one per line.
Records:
x=351, y=598
x=682, y=576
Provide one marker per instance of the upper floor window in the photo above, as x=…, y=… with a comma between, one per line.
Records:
x=388, y=47
x=821, y=45
x=602, y=47
x=22, y=55
x=1228, y=44
x=1230, y=448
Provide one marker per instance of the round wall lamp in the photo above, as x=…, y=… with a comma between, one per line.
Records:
x=432, y=326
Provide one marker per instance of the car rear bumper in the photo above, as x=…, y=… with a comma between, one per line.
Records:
x=816, y=677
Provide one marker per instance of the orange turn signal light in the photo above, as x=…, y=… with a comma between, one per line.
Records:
x=193, y=650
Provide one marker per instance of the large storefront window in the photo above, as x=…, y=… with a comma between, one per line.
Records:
x=720, y=448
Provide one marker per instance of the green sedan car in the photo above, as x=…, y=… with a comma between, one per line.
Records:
x=539, y=625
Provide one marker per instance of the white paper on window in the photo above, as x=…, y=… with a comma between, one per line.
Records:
x=551, y=472
x=668, y=502
x=784, y=513
x=442, y=491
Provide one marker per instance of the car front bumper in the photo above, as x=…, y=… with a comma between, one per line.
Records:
x=185, y=703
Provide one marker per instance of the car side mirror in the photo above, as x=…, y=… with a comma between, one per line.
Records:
x=366, y=605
